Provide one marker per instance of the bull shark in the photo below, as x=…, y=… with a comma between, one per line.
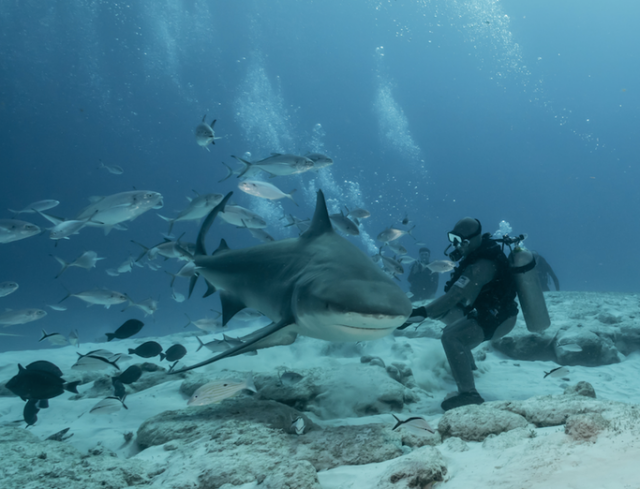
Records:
x=317, y=285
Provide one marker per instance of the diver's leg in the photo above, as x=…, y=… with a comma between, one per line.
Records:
x=458, y=339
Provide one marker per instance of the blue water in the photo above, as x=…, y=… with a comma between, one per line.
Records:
x=522, y=111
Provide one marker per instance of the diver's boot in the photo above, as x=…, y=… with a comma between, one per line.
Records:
x=462, y=399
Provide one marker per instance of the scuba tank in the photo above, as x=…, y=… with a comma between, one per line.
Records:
x=523, y=263
x=534, y=307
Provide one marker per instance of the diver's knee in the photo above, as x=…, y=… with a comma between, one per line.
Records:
x=505, y=328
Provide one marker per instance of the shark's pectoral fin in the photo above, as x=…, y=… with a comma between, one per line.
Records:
x=230, y=306
x=257, y=336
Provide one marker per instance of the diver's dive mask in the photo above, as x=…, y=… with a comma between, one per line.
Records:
x=457, y=241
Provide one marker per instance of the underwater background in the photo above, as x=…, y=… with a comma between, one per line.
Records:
x=502, y=110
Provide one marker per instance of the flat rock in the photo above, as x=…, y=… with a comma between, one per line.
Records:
x=419, y=469
x=477, y=422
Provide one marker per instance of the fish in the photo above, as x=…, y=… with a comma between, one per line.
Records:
x=557, y=372
x=63, y=228
x=319, y=160
x=214, y=345
x=414, y=424
x=396, y=247
x=175, y=352
x=205, y=134
x=21, y=316
x=218, y=390
x=129, y=376
x=317, y=285
x=206, y=324
x=298, y=425
x=391, y=234
x=344, y=224
x=87, y=260
x=198, y=208
x=230, y=172
x=73, y=338
x=241, y=217
x=14, y=230
x=60, y=435
x=405, y=220
x=177, y=296
x=148, y=349
x=113, y=169
x=41, y=205
x=406, y=260
x=301, y=224
x=54, y=338
x=167, y=249
x=358, y=213
x=290, y=378
x=127, y=330
x=101, y=297
x=264, y=190
x=30, y=412
x=148, y=306
x=94, y=362
x=109, y=405
x=40, y=380
x=107, y=212
x=261, y=234
x=389, y=264
x=7, y=288
x=247, y=315
x=277, y=165
x=57, y=308
x=441, y=266
x=186, y=271
x=112, y=272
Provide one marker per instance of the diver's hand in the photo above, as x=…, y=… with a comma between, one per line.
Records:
x=418, y=315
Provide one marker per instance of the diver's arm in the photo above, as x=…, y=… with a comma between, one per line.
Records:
x=464, y=291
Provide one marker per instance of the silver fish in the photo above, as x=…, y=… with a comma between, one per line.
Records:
x=247, y=315
x=177, y=296
x=107, y=212
x=344, y=224
x=261, y=234
x=87, y=261
x=148, y=306
x=264, y=190
x=206, y=324
x=54, y=338
x=302, y=225
x=277, y=165
x=94, y=362
x=7, y=288
x=186, y=271
x=414, y=424
x=441, y=266
x=14, y=230
x=396, y=247
x=215, y=346
x=57, y=308
x=392, y=233
x=74, y=339
x=101, y=297
x=205, y=134
x=113, y=169
x=298, y=425
x=389, y=264
x=557, y=372
x=21, y=316
x=406, y=260
x=41, y=205
x=198, y=208
x=219, y=390
x=241, y=217
x=108, y=405
x=358, y=213
x=573, y=347
x=319, y=160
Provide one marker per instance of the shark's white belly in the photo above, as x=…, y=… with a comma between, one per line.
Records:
x=348, y=326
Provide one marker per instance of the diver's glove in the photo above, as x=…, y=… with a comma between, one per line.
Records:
x=418, y=315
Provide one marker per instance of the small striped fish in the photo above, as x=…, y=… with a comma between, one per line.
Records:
x=219, y=390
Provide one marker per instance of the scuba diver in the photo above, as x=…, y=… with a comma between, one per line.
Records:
x=544, y=272
x=423, y=282
x=478, y=304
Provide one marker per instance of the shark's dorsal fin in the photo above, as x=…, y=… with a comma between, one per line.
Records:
x=200, y=249
x=230, y=306
x=223, y=246
x=321, y=223
x=204, y=117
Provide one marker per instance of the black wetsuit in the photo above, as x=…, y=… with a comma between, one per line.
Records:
x=495, y=303
x=423, y=282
